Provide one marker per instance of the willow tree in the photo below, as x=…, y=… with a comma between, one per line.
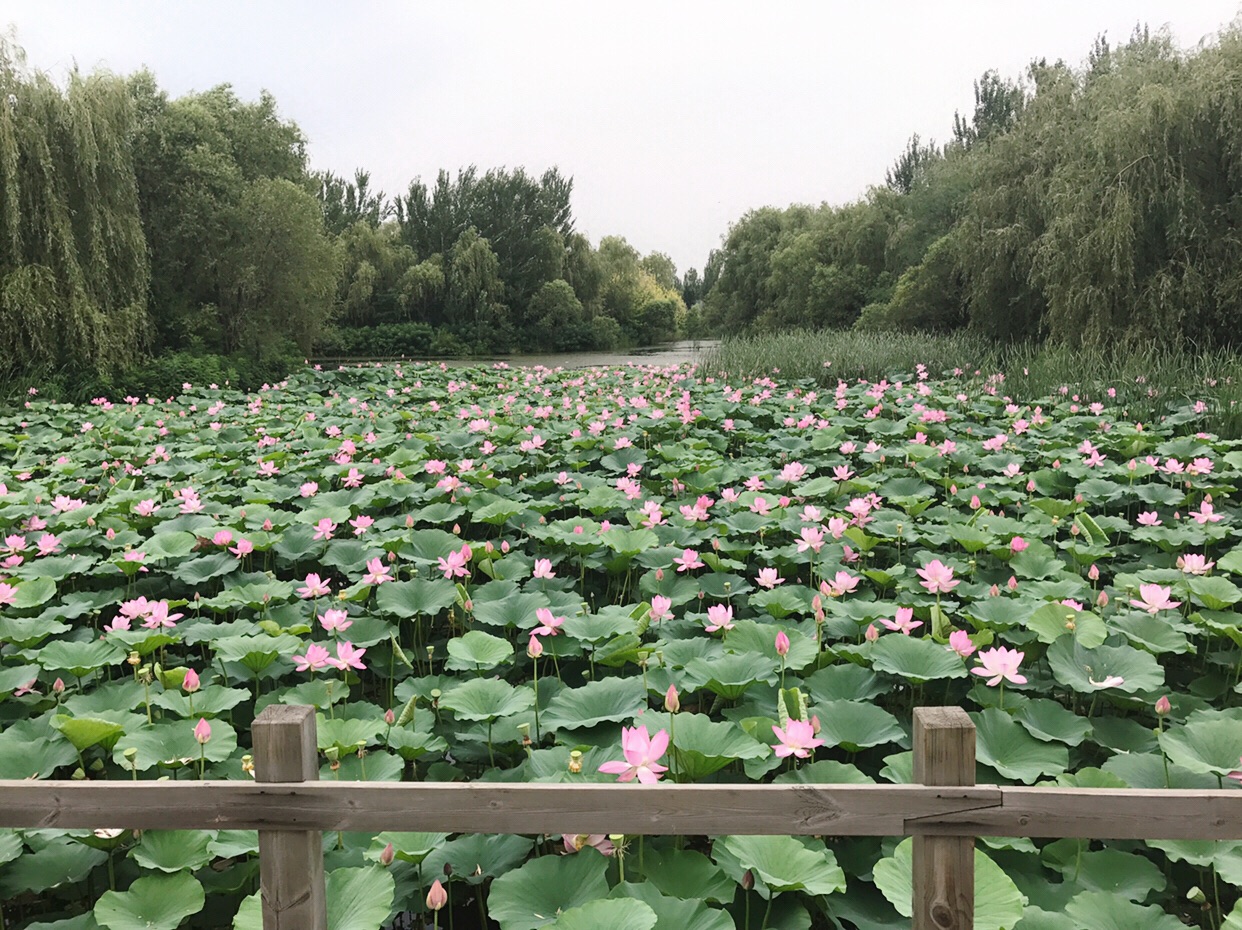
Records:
x=73, y=259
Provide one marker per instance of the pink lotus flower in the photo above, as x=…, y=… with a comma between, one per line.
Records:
x=959, y=642
x=688, y=561
x=719, y=617
x=316, y=657
x=549, y=625
x=361, y=524
x=811, y=537
x=8, y=593
x=314, y=587
x=543, y=569
x=1018, y=544
x=1000, y=663
x=937, y=577
x=309, y=489
x=455, y=565
x=437, y=897
x=146, y=508
x=842, y=583
x=48, y=544
x=661, y=608
x=1155, y=598
x=796, y=739
x=348, y=656
x=769, y=578
x=1148, y=518
x=202, y=731
x=641, y=756
x=1206, y=513
x=324, y=529
x=1112, y=681
x=243, y=548
x=222, y=538
x=158, y=616
x=1193, y=564
x=335, y=620
x=377, y=572
x=576, y=842
x=904, y=622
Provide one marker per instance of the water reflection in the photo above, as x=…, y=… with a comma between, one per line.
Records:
x=670, y=353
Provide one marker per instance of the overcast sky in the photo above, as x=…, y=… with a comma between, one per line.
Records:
x=673, y=118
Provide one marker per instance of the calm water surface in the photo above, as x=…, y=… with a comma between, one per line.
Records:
x=671, y=353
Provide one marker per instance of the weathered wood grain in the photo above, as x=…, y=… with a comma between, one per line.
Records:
x=944, y=866
x=832, y=810
x=291, y=879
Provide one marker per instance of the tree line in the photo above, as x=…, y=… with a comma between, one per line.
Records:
x=1100, y=204
x=148, y=239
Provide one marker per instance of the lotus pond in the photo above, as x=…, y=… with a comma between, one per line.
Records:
x=617, y=575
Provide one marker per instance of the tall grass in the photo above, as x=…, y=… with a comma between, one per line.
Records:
x=1146, y=384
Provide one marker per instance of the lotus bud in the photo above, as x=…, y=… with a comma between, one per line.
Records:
x=1093, y=573
x=504, y=546
x=815, y=724
x=872, y=633
x=659, y=574
x=387, y=854
x=782, y=644
x=1012, y=583
x=1163, y=707
x=202, y=731
x=974, y=502
x=1102, y=600
x=488, y=547
x=437, y=897
x=994, y=591
x=672, y=701
x=409, y=520
x=191, y=682
x=456, y=529
x=58, y=686
x=389, y=717
x=534, y=648
x=748, y=880
x=267, y=525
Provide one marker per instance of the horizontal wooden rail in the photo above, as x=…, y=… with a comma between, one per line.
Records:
x=703, y=810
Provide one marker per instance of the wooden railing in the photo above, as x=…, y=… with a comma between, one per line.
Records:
x=944, y=812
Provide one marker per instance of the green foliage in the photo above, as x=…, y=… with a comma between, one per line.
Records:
x=73, y=260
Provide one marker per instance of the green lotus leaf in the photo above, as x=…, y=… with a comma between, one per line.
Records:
x=208, y=702
x=34, y=592
x=854, y=725
x=1131, y=875
x=688, y=874
x=516, y=610
x=158, y=902
x=409, y=847
x=173, y=850
x=84, y=732
x=487, y=699
x=477, y=857
x=845, y=682
x=1052, y=621
x=731, y=675
x=532, y=896
x=406, y=599
x=1049, y=721
x=783, y=863
x=1102, y=911
x=198, y=571
x=172, y=545
x=674, y=912
x=1211, y=746
x=629, y=543
x=998, y=903
x=702, y=746
x=477, y=651
x=609, y=914
x=1155, y=634
x=359, y=899
x=825, y=772
x=79, y=658
x=916, y=659
x=171, y=742
x=760, y=639
x=1214, y=592
x=595, y=702
x=1085, y=670
x=61, y=862
x=1006, y=746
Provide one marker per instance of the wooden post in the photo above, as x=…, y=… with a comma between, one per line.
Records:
x=291, y=878
x=944, y=866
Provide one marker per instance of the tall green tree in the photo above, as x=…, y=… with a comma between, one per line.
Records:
x=73, y=260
